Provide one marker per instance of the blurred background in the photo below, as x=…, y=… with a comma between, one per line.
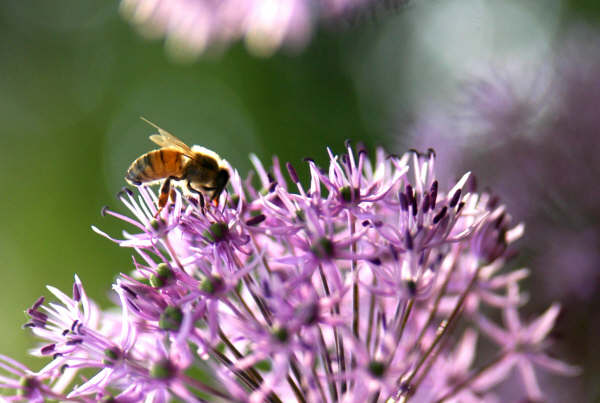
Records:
x=509, y=90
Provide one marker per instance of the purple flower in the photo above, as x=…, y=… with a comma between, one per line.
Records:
x=192, y=26
x=523, y=347
x=24, y=383
x=349, y=289
x=533, y=137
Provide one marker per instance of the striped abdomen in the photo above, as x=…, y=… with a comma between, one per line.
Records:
x=155, y=165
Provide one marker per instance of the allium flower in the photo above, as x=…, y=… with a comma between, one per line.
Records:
x=372, y=283
x=191, y=26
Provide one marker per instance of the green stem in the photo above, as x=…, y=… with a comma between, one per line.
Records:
x=252, y=373
x=339, y=343
x=355, y=293
x=328, y=367
x=436, y=303
x=371, y=317
x=442, y=330
x=196, y=384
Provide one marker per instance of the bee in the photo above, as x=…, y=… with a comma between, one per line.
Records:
x=204, y=172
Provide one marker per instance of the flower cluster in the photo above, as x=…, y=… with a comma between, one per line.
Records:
x=371, y=283
x=192, y=26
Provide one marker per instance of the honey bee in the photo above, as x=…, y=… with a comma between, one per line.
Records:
x=203, y=170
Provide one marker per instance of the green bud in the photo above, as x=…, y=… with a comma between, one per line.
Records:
x=162, y=370
x=323, y=248
x=211, y=284
x=162, y=276
x=171, y=318
x=27, y=383
x=216, y=232
x=376, y=368
x=112, y=353
x=412, y=286
x=234, y=200
x=280, y=333
x=348, y=194
x=156, y=281
x=156, y=224
x=163, y=270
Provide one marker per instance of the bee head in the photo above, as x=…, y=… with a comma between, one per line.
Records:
x=220, y=182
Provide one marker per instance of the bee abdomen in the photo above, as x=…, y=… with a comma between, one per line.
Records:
x=154, y=165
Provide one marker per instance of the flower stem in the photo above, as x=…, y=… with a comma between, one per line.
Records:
x=400, y=328
x=326, y=359
x=252, y=373
x=436, y=303
x=339, y=343
x=299, y=377
x=371, y=317
x=460, y=386
x=355, y=294
x=442, y=330
x=196, y=384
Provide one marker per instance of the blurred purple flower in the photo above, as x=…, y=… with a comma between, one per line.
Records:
x=191, y=26
x=522, y=346
x=352, y=289
x=534, y=139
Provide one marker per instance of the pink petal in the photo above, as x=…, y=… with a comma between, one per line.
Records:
x=529, y=380
x=540, y=328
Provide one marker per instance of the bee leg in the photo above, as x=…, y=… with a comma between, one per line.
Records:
x=202, y=205
x=163, y=196
x=192, y=190
x=214, y=199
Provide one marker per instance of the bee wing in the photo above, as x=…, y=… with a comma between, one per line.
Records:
x=166, y=139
